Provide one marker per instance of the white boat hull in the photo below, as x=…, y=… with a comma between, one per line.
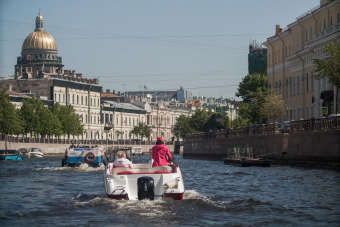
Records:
x=122, y=183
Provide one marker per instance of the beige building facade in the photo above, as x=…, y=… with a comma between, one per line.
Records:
x=290, y=68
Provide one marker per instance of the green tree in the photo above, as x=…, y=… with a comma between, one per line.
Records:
x=182, y=127
x=50, y=124
x=250, y=84
x=239, y=122
x=252, y=110
x=330, y=67
x=273, y=106
x=70, y=121
x=30, y=110
x=10, y=119
x=199, y=119
x=141, y=130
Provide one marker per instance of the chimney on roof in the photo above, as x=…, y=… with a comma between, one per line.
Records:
x=118, y=93
x=278, y=30
x=107, y=90
x=114, y=92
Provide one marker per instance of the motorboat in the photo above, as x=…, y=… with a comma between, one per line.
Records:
x=141, y=180
x=11, y=155
x=137, y=151
x=34, y=153
x=76, y=156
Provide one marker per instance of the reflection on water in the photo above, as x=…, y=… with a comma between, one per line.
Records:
x=39, y=192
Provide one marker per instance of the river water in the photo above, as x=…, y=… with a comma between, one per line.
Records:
x=38, y=192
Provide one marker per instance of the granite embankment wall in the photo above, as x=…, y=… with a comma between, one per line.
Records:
x=307, y=147
x=59, y=149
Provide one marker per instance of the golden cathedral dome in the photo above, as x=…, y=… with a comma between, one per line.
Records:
x=39, y=40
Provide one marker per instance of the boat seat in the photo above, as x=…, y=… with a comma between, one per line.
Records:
x=163, y=168
x=116, y=170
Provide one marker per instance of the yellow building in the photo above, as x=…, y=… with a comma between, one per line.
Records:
x=290, y=68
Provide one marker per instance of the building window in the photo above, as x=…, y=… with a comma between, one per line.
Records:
x=320, y=26
x=293, y=86
x=280, y=87
x=302, y=83
x=311, y=112
x=338, y=18
x=73, y=99
x=298, y=85
x=98, y=102
x=311, y=81
x=63, y=97
x=276, y=86
x=77, y=99
x=86, y=100
x=286, y=88
x=307, y=87
x=310, y=32
x=307, y=113
x=59, y=97
x=324, y=24
x=294, y=114
x=125, y=121
x=290, y=87
x=91, y=102
x=82, y=103
x=55, y=97
x=86, y=118
x=286, y=51
x=306, y=34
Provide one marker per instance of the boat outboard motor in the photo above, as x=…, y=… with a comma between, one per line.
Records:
x=146, y=188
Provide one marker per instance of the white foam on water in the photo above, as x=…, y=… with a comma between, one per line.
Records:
x=82, y=168
x=193, y=195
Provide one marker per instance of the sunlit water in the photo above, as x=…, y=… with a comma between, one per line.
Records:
x=38, y=192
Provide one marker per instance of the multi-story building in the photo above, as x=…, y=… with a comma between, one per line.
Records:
x=256, y=56
x=39, y=71
x=119, y=119
x=290, y=52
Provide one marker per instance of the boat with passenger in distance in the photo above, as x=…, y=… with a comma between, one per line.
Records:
x=11, y=155
x=34, y=153
x=137, y=151
x=74, y=157
x=141, y=180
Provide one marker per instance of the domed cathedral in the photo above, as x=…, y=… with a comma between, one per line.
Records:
x=39, y=54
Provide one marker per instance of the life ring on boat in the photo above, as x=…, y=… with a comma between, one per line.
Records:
x=90, y=159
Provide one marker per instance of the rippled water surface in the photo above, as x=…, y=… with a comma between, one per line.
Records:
x=38, y=192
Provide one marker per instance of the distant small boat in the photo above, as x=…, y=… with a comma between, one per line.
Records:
x=35, y=153
x=137, y=151
x=11, y=155
x=246, y=162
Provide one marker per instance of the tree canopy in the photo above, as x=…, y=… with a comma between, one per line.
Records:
x=141, y=130
x=182, y=127
x=10, y=119
x=71, y=124
x=329, y=67
x=250, y=84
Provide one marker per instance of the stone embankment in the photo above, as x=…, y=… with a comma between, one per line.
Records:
x=312, y=142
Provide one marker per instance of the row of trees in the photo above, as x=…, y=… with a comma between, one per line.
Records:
x=200, y=121
x=35, y=118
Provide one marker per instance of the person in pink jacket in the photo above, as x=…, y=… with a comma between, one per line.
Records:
x=160, y=154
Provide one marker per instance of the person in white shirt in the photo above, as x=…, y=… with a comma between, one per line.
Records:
x=122, y=161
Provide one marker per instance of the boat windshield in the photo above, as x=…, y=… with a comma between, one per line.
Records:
x=111, y=153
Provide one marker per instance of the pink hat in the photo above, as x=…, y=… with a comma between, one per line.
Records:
x=159, y=139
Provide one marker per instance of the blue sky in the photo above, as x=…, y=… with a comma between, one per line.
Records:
x=201, y=45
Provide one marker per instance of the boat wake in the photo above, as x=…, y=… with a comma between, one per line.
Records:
x=82, y=168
